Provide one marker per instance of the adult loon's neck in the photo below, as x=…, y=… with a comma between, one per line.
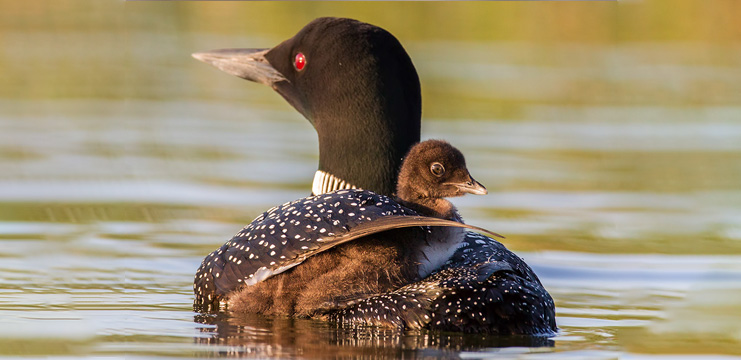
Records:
x=325, y=182
x=366, y=152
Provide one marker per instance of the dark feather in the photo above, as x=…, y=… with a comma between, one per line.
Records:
x=307, y=226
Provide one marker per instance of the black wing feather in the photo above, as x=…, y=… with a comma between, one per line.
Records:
x=285, y=236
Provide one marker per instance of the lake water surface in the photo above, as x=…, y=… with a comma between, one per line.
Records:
x=613, y=169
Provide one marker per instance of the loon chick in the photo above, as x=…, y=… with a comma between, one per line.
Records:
x=432, y=171
x=310, y=229
x=357, y=86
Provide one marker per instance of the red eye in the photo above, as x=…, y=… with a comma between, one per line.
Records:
x=299, y=62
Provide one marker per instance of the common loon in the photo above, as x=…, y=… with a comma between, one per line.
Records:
x=358, y=87
x=262, y=259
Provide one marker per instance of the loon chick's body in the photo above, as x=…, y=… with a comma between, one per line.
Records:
x=357, y=86
x=264, y=256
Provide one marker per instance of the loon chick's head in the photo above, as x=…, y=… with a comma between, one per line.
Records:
x=434, y=170
x=357, y=86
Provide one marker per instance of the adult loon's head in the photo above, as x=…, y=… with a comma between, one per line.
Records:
x=357, y=86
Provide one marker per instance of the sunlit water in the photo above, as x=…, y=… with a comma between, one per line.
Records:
x=629, y=213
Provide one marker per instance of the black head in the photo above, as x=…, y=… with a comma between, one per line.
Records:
x=354, y=82
x=434, y=169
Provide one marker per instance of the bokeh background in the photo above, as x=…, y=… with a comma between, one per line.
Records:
x=608, y=134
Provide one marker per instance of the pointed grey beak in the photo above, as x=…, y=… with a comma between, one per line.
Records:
x=249, y=64
x=472, y=187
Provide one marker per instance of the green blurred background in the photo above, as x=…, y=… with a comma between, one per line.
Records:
x=114, y=50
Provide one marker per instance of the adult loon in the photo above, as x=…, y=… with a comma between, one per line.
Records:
x=358, y=87
x=257, y=270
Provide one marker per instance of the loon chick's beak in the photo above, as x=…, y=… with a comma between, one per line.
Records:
x=472, y=187
x=249, y=64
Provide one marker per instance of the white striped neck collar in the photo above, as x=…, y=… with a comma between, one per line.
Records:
x=325, y=182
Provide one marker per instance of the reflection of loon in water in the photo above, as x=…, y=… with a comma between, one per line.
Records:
x=259, y=336
x=357, y=86
x=262, y=259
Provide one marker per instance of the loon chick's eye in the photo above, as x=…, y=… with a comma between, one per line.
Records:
x=437, y=169
x=299, y=61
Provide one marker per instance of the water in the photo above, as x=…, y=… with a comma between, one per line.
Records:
x=613, y=169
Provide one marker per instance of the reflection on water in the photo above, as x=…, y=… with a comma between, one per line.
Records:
x=613, y=169
x=255, y=336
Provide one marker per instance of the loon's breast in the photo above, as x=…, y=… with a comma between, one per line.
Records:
x=441, y=244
